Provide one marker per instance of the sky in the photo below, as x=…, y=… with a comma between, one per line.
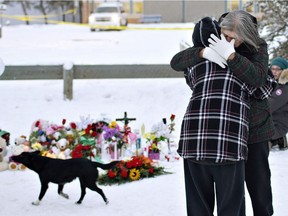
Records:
x=147, y=100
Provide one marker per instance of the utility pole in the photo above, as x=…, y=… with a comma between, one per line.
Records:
x=183, y=11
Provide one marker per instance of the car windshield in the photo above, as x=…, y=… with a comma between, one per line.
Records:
x=106, y=10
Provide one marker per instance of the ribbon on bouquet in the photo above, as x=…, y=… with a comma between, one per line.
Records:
x=87, y=141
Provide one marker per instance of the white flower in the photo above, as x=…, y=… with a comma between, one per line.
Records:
x=161, y=129
x=84, y=122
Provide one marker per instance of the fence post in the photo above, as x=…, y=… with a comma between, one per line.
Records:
x=68, y=74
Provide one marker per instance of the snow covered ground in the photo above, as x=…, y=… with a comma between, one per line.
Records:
x=148, y=100
x=56, y=44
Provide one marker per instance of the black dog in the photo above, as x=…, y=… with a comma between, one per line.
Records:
x=63, y=171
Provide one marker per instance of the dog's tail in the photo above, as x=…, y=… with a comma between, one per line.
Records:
x=105, y=166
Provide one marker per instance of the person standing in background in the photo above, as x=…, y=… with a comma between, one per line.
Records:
x=279, y=102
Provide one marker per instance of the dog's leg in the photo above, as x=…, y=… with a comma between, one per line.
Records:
x=100, y=191
x=83, y=192
x=60, y=191
x=36, y=203
x=44, y=187
x=93, y=186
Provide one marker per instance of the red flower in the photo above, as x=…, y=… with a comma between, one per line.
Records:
x=135, y=162
x=150, y=149
x=111, y=174
x=63, y=121
x=130, y=164
x=88, y=129
x=37, y=123
x=76, y=154
x=124, y=173
x=138, y=163
x=172, y=117
x=94, y=134
x=151, y=170
x=73, y=125
x=91, y=154
x=79, y=147
x=86, y=148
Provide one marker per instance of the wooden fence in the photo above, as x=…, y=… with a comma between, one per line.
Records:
x=69, y=73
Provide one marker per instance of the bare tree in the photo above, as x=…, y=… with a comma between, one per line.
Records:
x=26, y=5
x=64, y=5
x=42, y=6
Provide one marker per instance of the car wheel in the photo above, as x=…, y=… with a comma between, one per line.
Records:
x=92, y=30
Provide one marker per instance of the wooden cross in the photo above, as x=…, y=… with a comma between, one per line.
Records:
x=126, y=119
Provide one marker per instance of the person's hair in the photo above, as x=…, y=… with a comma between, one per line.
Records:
x=244, y=25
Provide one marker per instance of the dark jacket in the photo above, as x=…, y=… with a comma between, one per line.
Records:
x=251, y=67
x=279, y=106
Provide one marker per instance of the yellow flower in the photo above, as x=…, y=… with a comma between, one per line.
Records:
x=48, y=154
x=37, y=146
x=134, y=174
x=149, y=136
x=113, y=124
x=154, y=147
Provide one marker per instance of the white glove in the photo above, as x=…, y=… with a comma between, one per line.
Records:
x=222, y=46
x=213, y=56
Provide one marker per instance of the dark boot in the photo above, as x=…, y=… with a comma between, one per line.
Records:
x=282, y=143
x=274, y=142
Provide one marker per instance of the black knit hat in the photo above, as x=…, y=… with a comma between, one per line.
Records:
x=202, y=31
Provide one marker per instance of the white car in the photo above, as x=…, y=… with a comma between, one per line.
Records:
x=108, y=16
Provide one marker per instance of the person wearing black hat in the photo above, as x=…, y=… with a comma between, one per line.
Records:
x=214, y=132
x=247, y=57
x=279, y=103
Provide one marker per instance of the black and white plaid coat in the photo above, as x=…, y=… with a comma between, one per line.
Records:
x=215, y=125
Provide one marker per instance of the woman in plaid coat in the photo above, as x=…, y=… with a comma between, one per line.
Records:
x=249, y=62
x=214, y=132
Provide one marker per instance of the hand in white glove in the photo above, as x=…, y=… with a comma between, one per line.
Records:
x=222, y=46
x=213, y=56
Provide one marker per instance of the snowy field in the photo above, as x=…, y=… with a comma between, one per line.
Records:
x=57, y=44
x=148, y=100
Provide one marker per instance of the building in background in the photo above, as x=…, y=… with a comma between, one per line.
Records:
x=139, y=11
x=172, y=10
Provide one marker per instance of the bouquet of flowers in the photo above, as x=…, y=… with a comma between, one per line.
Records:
x=81, y=151
x=161, y=131
x=137, y=168
x=112, y=134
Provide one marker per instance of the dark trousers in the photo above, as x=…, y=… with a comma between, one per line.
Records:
x=200, y=191
x=257, y=179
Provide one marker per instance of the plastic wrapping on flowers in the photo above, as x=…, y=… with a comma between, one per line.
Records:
x=137, y=168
